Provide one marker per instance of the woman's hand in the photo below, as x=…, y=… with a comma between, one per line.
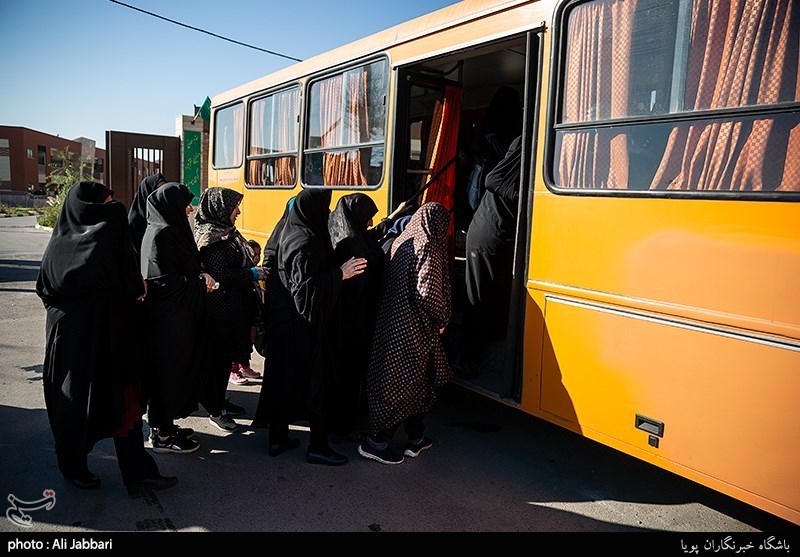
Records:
x=397, y=211
x=353, y=267
x=209, y=281
x=143, y=296
x=262, y=273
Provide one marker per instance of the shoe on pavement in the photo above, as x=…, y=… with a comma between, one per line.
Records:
x=249, y=373
x=174, y=444
x=237, y=378
x=384, y=456
x=224, y=422
x=415, y=447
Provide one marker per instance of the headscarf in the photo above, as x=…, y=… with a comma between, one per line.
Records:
x=271, y=247
x=308, y=217
x=427, y=228
x=351, y=217
x=213, y=221
x=137, y=215
x=89, y=251
x=166, y=214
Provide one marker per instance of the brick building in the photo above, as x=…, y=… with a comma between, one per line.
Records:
x=26, y=157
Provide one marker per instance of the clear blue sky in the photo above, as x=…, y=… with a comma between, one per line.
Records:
x=81, y=67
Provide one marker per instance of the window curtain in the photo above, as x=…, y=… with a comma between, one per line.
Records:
x=344, y=168
x=739, y=51
x=442, y=144
x=256, y=142
x=284, y=137
x=597, y=84
x=238, y=133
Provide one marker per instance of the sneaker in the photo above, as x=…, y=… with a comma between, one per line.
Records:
x=415, y=447
x=237, y=378
x=224, y=422
x=232, y=409
x=384, y=456
x=175, y=444
x=183, y=432
x=249, y=373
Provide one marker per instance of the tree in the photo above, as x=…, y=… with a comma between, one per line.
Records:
x=68, y=169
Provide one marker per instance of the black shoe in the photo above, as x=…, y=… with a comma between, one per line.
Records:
x=156, y=484
x=384, y=456
x=326, y=456
x=85, y=481
x=182, y=432
x=174, y=444
x=224, y=422
x=415, y=447
x=233, y=409
x=286, y=445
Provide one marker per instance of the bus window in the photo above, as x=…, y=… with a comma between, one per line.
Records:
x=272, y=155
x=637, y=97
x=347, y=127
x=228, y=136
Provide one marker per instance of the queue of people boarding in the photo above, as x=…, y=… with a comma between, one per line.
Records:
x=150, y=318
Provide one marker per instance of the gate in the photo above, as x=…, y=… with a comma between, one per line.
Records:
x=134, y=156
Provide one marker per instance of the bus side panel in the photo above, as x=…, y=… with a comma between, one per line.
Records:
x=725, y=402
x=721, y=261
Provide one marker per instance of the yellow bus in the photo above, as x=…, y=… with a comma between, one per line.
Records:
x=655, y=282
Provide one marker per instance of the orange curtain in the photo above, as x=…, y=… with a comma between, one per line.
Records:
x=597, y=83
x=740, y=50
x=285, y=136
x=256, y=142
x=344, y=168
x=442, y=144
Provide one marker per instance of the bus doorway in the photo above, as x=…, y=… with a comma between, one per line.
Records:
x=457, y=117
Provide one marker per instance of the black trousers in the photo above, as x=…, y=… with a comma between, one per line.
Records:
x=413, y=426
x=135, y=463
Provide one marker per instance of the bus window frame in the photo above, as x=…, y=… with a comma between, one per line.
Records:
x=248, y=121
x=306, y=110
x=213, y=138
x=554, y=125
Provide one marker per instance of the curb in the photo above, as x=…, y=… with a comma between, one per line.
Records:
x=40, y=227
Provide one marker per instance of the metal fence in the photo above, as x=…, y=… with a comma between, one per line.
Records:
x=22, y=199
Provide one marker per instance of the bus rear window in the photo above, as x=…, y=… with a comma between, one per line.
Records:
x=679, y=95
x=228, y=136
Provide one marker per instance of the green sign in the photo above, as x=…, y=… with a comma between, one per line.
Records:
x=192, y=155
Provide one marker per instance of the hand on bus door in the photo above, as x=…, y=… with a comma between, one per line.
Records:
x=353, y=267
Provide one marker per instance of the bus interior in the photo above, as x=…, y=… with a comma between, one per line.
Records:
x=474, y=77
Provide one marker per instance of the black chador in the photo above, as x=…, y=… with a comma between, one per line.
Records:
x=490, y=253
x=137, y=215
x=351, y=237
x=301, y=300
x=173, y=308
x=89, y=284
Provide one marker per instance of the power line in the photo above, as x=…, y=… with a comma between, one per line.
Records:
x=204, y=31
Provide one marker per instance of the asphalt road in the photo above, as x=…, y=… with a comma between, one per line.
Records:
x=492, y=468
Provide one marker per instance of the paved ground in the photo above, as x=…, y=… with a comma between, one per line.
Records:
x=492, y=469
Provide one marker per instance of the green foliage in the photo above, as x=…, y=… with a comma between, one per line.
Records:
x=68, y=170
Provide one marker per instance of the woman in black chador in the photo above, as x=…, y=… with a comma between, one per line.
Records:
x=351, y=236
x=298, y=328
x=89, y=284
x=490, y=256
x=233, y=306
x=137, y=215
x=174, y=310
